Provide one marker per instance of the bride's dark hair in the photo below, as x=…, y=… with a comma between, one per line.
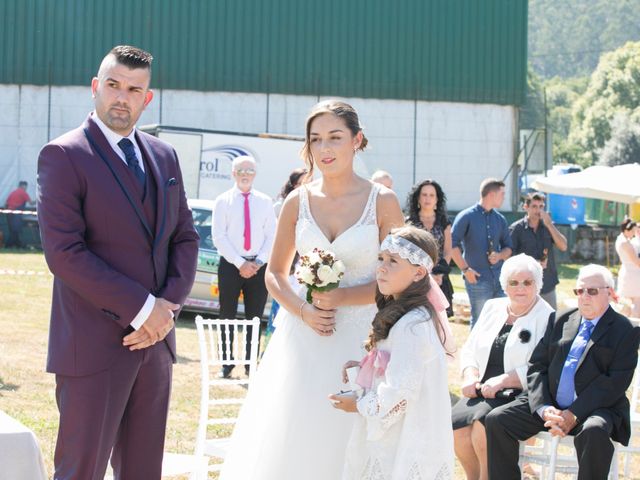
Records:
x=390, y=310
x=342, y=110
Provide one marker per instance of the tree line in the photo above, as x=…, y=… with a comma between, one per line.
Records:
x=584, y=58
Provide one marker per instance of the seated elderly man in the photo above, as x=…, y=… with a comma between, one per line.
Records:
x=494, y=358
x=577, y=378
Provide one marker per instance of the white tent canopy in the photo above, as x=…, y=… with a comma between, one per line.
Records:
x=618, y=184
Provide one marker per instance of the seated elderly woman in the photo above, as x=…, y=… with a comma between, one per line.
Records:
x=493, y=361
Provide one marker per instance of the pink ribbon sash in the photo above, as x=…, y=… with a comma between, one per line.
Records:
x=375, y=362
x=371, y=366
x=439, y=302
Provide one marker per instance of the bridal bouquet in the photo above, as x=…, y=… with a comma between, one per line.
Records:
x=319, y=270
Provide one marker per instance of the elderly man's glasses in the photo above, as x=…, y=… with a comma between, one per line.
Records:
x=246, y=171
x=524, y=283
x=592, y=292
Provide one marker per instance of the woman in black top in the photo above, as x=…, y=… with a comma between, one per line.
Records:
x=427, y=209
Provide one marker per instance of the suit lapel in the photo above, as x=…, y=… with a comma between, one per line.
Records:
x=600, y=329
x=569, y=331
x=104, y=151
x=160, y=183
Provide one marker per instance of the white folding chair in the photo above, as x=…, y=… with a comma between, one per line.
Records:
x=178, y=464
x=174, y=464
x=546, y=454
x=227, y=391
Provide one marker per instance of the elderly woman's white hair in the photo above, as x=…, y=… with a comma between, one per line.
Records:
x=592, y=269
x=521, y=263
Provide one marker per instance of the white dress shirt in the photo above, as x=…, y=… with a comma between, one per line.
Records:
x=113, y=138
x=228, y=226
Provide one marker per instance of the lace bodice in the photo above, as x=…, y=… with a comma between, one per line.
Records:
x=357, y=246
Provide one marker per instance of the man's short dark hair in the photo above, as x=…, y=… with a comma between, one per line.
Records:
x=132, y=57
x=540, y=197
x=489, y=185
x=22, y=183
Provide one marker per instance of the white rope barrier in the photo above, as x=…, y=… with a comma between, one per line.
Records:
x=18, y=212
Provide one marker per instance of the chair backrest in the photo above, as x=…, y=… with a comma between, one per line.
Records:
x=213, y=348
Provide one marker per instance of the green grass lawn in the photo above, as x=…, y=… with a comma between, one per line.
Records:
x=28, y=393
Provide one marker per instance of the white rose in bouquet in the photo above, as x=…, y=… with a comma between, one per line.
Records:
x=319, y=270
x=305, y=275
x=338, y=268
x=326, y=275
x=314, y=257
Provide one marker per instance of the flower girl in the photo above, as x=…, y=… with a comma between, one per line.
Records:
x=403, y=430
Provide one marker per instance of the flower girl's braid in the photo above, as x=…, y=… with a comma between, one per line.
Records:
x=391, y=310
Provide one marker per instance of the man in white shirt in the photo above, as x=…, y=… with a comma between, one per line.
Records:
x=243, y=230
x=577, y=378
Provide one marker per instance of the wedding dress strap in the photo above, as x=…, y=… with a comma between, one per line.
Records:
x=369, y=216
x=304, y=212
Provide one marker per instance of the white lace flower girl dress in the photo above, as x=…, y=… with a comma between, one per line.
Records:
x=403, y=429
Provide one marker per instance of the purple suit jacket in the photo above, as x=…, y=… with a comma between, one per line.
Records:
x=104, y=255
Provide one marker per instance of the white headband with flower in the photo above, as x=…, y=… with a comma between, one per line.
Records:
x=407, y=250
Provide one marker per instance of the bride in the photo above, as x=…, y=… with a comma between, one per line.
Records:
x=288, y=429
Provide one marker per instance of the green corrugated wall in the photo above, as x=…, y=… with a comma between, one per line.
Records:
x=436, y=50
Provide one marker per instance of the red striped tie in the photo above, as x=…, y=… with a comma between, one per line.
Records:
x=247, y=222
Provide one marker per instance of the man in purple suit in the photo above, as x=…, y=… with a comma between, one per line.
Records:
x=119, y=238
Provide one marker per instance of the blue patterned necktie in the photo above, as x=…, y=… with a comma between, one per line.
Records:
x=567, y=386
x=126, y=146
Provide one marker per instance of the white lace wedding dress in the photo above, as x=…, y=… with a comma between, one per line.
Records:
x=288, y=429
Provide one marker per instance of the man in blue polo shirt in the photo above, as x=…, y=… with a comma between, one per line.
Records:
x=481, y=243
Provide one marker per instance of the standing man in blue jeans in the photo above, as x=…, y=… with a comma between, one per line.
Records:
x=481, y=243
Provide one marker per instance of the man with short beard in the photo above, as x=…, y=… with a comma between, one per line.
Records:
x=119, y=238
x=481, y=243
x=535, y=234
